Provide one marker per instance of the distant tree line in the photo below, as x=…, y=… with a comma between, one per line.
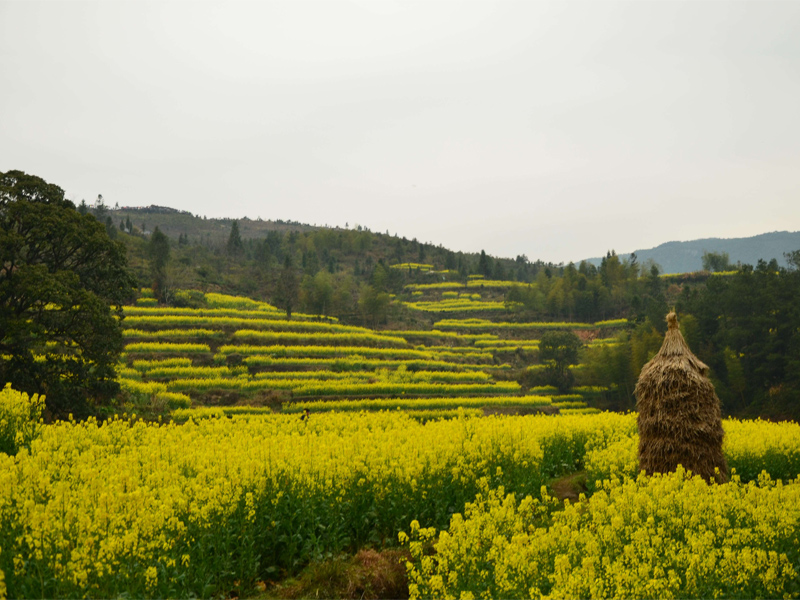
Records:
x=330, y=272
x=745, y=326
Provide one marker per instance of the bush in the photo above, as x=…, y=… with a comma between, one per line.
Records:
x=20, y=419
x=189, y=299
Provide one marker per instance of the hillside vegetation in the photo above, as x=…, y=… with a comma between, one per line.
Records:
x=382, y=282
x=235, y=355
x=286, y=401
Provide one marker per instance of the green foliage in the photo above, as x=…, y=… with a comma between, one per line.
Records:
x=374, y=305
x=716, y=261
x=317, y=293
x=60, y=277
x=287, y=289
x=235, y=245
x=158, y=254
x=616, y=366
x=748, y=331
x=558, y=350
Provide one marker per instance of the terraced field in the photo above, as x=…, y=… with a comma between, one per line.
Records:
x=238, y=352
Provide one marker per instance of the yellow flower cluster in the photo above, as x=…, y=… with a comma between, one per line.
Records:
x=137, y=509
x=156, y=391
x=20, y=419
x=441, y=335
x=168, y=312
x=473, y=283
x=338, y=384
x=318, y=350
x=447, y=403
x=357, y=362
x=319, y=337
x=225, y=301
x=750, y=447
x=456, y=305
x=140, y=334
x=487, y=325
x=166, y=348
x=252, y=320
x=422, y=414
x=665, y=536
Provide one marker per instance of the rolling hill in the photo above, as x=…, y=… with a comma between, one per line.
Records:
x=686, y=257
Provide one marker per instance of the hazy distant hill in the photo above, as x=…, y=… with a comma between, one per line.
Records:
x=684, y=257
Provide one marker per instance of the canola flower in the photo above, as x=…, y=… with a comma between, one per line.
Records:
x=148, y=510
x=319, y=350
x=146, y=365
x=446, y=403
x=209, y=412
x=141, y=334
x=166, y=348
x=20, y=419
x=226, y=301
x=456, y=305
x=156, y=391
x=359, y=363
x=667, y=536
x=750, y=447
x=340, y=384
x=579, y=411
x=320, y=337
x=487, y=325
x=474, y=282
x=440, y=335
x=167, y=313
x=246, y=320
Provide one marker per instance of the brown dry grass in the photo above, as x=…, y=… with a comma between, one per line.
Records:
x=679, y=420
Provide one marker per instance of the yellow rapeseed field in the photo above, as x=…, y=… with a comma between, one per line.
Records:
x=651, y=537
x=169, y=510
x=213, y=505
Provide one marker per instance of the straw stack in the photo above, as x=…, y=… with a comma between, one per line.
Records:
x=679, y=412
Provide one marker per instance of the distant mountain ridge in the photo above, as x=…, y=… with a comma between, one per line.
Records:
x=686, y=257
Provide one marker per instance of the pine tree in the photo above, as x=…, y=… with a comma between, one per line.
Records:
x=235, y=245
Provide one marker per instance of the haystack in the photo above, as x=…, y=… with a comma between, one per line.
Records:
x=679, y=412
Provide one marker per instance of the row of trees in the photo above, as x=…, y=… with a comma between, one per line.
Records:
x=253, y=266
x=617, y=288
x=745, y=326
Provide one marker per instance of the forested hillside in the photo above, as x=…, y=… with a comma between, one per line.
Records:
x=742, y=322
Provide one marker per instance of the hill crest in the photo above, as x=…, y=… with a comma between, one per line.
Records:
x=687, y=256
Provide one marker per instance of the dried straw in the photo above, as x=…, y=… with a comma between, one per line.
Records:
x=679, y=412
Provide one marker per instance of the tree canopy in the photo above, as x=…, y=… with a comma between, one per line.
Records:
x=62, y=283
x=558, y=350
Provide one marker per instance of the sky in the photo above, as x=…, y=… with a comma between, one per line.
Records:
x=558, y=130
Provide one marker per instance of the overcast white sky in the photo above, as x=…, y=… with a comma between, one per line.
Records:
x=554, y=129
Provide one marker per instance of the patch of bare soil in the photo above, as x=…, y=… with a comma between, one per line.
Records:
x=570, y=487
x=369, y=575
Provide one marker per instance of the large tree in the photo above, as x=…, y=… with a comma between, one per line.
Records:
x=62, y=284
x=158, y=254
x=558, y=350
x=287, y=288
